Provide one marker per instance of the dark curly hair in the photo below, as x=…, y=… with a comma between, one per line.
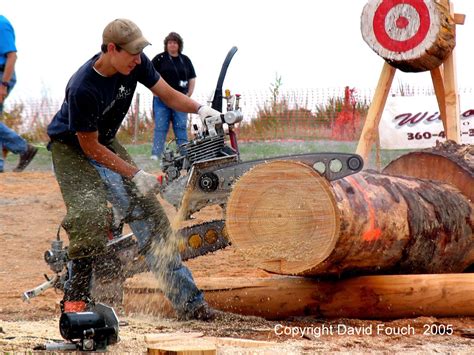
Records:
x=173, y=36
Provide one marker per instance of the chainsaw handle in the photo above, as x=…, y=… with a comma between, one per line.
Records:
x=27, y=295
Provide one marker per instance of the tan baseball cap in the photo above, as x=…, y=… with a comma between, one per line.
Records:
x=126, y=34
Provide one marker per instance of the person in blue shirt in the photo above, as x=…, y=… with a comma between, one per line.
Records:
x=93, y=169
x=10, y=141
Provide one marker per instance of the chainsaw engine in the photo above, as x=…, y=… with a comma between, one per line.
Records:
x=209, y=143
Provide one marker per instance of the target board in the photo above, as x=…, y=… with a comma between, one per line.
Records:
x=411, y=35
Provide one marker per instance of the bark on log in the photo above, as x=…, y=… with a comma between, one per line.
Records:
x=412, y=36
x=364, y=297
x=288, y=220
x=447, y=162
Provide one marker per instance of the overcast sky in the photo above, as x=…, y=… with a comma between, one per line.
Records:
x=310, y=43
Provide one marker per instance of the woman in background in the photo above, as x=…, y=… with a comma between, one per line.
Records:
x=178, y=71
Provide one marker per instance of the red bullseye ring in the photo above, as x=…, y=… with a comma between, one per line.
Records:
x=402, y=23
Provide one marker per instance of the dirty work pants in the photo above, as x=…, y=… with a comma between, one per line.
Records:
x=86, y=187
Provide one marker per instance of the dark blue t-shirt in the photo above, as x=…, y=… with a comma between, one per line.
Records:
x=177, y=71
x=97, y=103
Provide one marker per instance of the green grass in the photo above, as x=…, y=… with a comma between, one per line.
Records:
x=249, y=151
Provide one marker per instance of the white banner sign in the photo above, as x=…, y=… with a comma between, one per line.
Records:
x=412, y=122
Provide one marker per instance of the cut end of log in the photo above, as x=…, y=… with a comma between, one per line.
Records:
x=283, y=216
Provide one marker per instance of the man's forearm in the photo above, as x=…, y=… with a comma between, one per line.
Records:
x=110, y=160
x=102, y=155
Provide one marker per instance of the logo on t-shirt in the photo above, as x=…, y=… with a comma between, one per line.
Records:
x=123, y=92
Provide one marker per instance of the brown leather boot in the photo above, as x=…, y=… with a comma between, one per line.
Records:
x=26, y=158
x=203, y=312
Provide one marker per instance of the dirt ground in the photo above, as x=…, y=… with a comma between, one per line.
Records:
x=30, y=211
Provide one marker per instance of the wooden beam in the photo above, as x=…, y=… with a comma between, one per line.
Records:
x=452, y=96
x=369, y=131
x=365, y=297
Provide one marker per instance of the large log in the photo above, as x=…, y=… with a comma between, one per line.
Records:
x=447, y=162
x=287, y=219
x=413, y=36
x=363, y=297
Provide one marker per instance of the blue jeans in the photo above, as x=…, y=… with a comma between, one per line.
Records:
x=9, y=139
x=173, y=276
x=163, y=115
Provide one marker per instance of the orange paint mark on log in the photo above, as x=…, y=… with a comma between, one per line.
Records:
x=373, y=233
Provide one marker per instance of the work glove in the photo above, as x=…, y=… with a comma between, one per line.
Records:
x=206, y=111
x=147, y=183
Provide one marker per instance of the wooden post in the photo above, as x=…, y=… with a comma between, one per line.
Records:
x=378, y=158
x=438, y=84
x=452, y=96
x=371, y=125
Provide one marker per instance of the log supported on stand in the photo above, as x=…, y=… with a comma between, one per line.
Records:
x=287, y=219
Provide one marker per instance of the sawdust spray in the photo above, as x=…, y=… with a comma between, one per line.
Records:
x=166, y=249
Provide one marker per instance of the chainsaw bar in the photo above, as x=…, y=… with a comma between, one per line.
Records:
x=202, y=239
x=194, y=241
x=210, y=181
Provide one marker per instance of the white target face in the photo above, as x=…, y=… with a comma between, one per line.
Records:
x=400, y=29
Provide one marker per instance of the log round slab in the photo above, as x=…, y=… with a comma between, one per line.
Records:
x=281, y=209
x=411, y=35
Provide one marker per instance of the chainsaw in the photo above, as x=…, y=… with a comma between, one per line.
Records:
x=200, y=172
